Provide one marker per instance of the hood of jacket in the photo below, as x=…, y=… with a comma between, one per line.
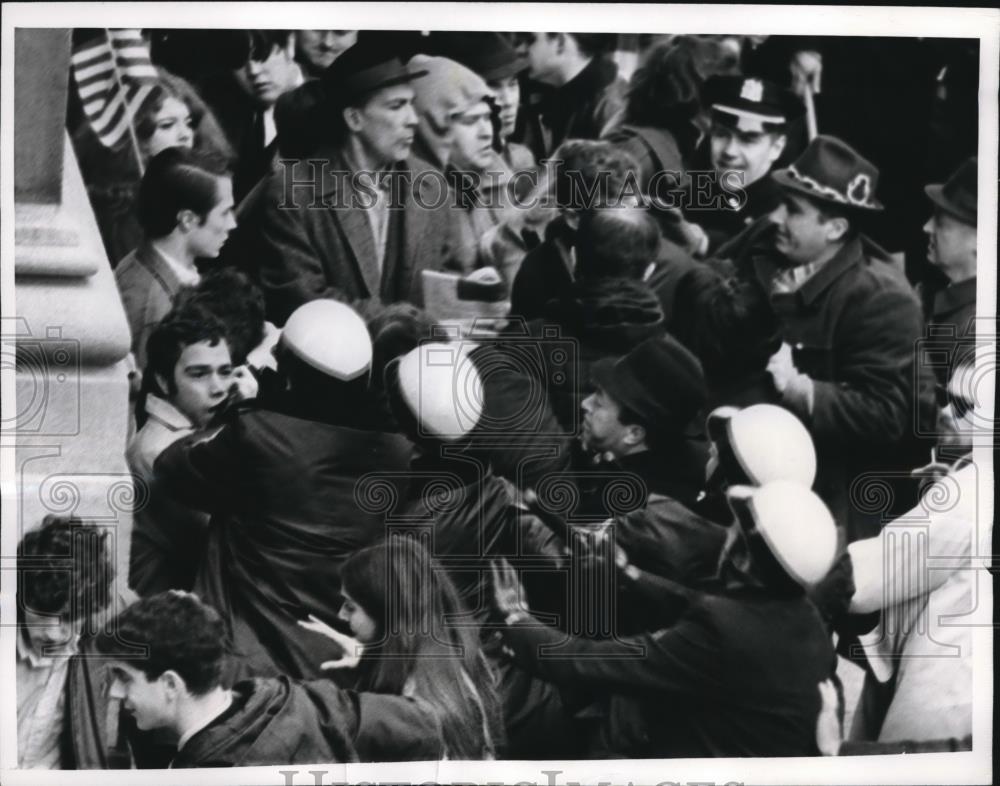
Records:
x=612, y=314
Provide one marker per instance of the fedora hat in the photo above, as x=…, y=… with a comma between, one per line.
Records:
x=960, y=195
x=659, y=380
x=830, y=170
x=488, y=54
x=376, y=61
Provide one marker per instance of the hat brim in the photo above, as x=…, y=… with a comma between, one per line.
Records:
x=786, y=181
x=345, y=94
x=935, y=193
x=505, y=70
x=616, y=383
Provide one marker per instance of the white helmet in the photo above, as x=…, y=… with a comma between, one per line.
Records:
x=331, y=337
x=441, y=386
x=762, y=443
x=795, y=525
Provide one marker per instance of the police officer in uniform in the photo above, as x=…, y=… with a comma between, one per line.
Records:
x=748, y=135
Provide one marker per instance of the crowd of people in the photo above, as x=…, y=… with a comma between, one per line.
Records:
x=489, y=404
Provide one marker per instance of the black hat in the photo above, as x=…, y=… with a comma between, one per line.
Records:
x=832, y=171
x=960, y=195
x=659, y=380
x=740, y=100
x=488, y=54
x=373, y=63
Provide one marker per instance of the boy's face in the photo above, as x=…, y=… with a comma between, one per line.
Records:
x=203, y=377
x=151, y=703
x=49, y=631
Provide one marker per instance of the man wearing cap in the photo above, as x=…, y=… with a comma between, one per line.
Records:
x=358, y=221
x=951, y=248
x=849, y=323
x=279, y=481
x=737, y=673
x=749, y=120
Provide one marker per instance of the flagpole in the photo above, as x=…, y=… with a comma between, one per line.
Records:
x=128, y=107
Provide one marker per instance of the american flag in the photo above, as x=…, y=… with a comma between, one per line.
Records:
x=114, y=75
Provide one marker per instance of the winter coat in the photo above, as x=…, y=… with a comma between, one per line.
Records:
x=316, y=239
x=580, y=109
x=735, y=676
x=285, y=515
x=854, y=327
x=280, y=721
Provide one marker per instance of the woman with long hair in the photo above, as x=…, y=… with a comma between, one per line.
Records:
x=171, y=115
x=411, y=636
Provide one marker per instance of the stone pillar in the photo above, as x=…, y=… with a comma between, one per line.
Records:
x=68, y=339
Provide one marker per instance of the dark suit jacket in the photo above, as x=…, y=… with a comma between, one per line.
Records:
x=316, y=241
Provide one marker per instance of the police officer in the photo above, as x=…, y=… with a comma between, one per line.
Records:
x=748, y=135
x=279, y=481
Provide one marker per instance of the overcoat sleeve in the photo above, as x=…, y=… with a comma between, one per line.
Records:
x=204, y=474
x=685, y=658
x=871, y=401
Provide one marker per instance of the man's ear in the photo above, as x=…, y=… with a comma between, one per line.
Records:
x=778, y=147
x=161, y=381
x=836, y=228
x=561, y=42
x=634, y=435
x=289, y=47
x=572, y=218
x=173, y=682
x=353, y=119
x=186, y=219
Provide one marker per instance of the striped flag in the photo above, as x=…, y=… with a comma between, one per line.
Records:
x=114, y=75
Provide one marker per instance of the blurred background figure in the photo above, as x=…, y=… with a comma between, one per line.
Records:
x=315, y=50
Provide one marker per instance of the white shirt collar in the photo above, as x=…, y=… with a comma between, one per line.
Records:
x=187, y=276
x=166, y=413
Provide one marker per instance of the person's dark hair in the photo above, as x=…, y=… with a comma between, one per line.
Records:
x=263, y=42
x=177, y=632
x=177, y=179
x=616, y=243
x=395, y=330
x=664, y=91
x=230, y=296
x=64, y=568
x=180, y=328
x=209, y=139
x=594, y=44
x=736, y=331
x=590, y=173
x=429, y=643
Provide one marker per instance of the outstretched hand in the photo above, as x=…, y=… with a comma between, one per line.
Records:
x=352, y=648
x=507, y=590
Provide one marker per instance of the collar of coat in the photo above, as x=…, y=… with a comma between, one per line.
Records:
x=851, y=255
x=955, y=297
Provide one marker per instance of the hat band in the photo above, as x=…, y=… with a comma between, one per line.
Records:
x=861, y=180
x=774, y=119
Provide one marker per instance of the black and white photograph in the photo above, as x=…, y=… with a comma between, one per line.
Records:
x=445, y=401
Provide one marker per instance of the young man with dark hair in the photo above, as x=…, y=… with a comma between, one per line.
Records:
x=65, y=577
x=168, y=656
x=186, y=211
x=388, y=221
x=279, y=481
x=189, y=380
x=270, y=71
x=578, y=89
